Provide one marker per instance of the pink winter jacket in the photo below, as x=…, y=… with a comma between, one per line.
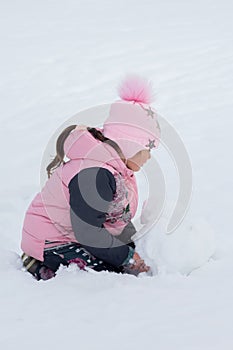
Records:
x=48, y=216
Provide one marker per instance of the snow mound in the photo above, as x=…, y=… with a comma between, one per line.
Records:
x=189, y=247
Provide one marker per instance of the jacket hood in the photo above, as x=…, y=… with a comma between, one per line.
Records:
x=80, y=144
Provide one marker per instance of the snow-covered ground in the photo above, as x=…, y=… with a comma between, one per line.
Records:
x=58, y=58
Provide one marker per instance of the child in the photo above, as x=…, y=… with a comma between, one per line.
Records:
x=83, y=213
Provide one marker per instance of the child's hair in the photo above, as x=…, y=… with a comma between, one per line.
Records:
x=59, y=158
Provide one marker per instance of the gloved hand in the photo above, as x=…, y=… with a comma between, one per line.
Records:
x=136, y=265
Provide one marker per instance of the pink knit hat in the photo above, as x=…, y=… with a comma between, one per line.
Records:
x=132, y=122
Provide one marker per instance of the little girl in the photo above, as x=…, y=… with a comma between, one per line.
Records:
x=83, y=213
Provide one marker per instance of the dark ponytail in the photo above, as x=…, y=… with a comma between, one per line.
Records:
x=59, y=158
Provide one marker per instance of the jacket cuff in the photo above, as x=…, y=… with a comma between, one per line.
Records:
x=129, y=257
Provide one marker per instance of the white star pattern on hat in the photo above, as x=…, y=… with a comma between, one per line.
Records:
x=149, y=111
x=151, y=144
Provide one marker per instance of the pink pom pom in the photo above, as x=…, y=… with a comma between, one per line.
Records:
x=137, y=89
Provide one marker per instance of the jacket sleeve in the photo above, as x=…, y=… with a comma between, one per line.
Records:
x=91, y=192
x=127, y=233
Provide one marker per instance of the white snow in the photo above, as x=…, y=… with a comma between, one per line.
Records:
x=58, y=58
